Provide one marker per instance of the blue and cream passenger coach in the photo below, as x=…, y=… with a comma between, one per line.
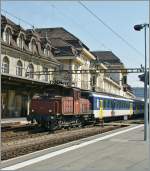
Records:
x=108, y=106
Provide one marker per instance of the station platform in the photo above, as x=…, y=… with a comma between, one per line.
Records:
x=13, y=121
x=118, y=150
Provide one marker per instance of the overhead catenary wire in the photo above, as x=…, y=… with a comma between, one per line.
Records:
x=18, y=18
x=111, y=29
x=33, y=27
x=83, y=28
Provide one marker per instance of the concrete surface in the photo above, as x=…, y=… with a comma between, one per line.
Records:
x=126, y=151
x=13, y=120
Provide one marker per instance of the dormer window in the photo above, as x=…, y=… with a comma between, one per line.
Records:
x=33, y=46
x=8, y=35
x=21, y=41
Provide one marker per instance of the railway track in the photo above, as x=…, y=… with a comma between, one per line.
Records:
x=28, y=131
x=32, y=131
x=24, y=143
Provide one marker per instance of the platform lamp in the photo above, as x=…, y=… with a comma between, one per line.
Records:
x=139, y=27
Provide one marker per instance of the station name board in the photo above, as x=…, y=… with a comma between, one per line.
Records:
x=58, y=82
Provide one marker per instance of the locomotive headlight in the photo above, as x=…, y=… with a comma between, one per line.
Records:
x=52, y=117
x=32, y=110
x=50, y=110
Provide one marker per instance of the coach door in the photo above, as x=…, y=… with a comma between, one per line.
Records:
x=131, y=108
x=101, y=110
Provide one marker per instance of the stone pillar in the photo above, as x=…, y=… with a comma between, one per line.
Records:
x=18, y=106
x=4, y=105
x=11, y=103
x=28, y=104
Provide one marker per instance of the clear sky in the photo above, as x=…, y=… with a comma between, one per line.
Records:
x=120, y=15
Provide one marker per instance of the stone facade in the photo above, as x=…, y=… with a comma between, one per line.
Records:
x=23, y=52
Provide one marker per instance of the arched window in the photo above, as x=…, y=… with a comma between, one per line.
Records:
x=21, y=41
x=5, y=65
x=8, y=35
x=19, y=68
x=45, y=71
x=30, y=71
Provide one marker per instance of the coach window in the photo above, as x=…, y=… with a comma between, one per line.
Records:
x=122, y=104
x=5, y=65
x=104, y=104
x=19, y=68
x=108, y=104
x=126, y=105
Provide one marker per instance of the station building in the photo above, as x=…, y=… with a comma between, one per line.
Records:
x=22, y=53
x=26, y=52
x=72, y=54
x=114, y=83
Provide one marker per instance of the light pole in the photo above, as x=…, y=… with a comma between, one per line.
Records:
x=139, y=27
